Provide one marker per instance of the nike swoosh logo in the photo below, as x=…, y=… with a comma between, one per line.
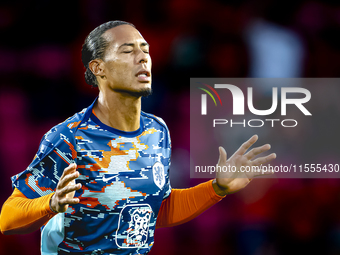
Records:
x=109, y=178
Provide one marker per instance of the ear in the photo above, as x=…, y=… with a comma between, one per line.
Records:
x=97, y=67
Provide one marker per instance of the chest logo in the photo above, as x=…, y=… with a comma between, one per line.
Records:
x=106, y=179
x=158, y=174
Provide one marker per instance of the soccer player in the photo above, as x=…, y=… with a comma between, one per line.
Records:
x=99, y=183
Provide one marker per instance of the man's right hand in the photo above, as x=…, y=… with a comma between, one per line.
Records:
x=64, y=194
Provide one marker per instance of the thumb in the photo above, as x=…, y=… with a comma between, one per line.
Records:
x=223, y=155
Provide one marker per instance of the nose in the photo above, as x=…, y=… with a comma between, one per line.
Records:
x=143, y=57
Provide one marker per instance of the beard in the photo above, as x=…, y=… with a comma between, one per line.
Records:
x=142, y=93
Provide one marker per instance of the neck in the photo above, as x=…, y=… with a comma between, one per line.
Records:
x=119, y=111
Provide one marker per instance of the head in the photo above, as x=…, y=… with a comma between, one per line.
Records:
x=116, y=56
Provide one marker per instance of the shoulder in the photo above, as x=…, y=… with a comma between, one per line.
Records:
x=60, y=138
x=64, y=131
x=152, y=121
x=155, y=120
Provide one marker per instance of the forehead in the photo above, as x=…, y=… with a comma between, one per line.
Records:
x=123, y=34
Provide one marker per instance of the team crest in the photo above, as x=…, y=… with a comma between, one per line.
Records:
x=138, y=228
x=133, y=226
x=158, y=174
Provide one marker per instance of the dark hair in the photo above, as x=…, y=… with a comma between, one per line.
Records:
x=94, y=47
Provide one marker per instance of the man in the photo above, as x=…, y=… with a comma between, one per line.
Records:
x=99, y=183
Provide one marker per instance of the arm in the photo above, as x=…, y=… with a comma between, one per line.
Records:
x=185, y=204
x=21, y=215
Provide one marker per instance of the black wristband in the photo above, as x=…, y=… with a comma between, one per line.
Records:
x=51, y=207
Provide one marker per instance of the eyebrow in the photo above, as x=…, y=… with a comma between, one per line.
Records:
x=132, y=44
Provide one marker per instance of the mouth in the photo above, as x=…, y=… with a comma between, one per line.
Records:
x=143, y=73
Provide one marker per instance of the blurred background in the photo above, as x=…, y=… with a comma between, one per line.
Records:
x=42, y=83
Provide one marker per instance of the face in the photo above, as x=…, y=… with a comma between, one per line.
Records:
x=127, y=63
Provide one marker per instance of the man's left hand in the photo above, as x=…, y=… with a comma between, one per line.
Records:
x=228, y=182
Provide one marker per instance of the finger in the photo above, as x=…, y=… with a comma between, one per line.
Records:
x=246, y=145
x=63, y=182
x=69, y=169
x=256, y=151
x=263, y=160
x=68, y=189
x=70, y=201
x=67, y=179
x=223, y=155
